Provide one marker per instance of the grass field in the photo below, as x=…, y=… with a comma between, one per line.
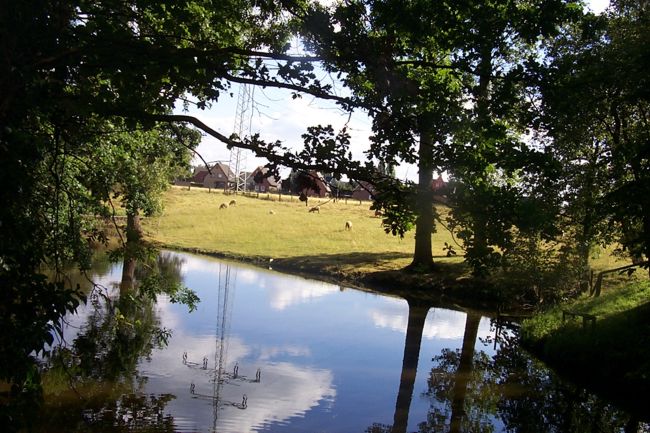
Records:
x=282, y=228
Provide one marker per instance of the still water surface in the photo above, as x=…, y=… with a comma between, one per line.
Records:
x=268, y=352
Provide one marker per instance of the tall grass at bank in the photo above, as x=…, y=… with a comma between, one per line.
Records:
x=613, y=354
x=615, y=300
x=261, y=227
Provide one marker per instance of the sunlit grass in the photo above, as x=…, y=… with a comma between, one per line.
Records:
x=613, y=353
x=270, y=228
x=617, y=300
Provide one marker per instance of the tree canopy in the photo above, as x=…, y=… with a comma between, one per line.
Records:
x=537, y=111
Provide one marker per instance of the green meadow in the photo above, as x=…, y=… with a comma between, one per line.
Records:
x=281, y=227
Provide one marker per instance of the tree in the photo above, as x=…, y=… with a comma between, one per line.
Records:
x=68, y=72
x=412, y=103
x=136, y=167
x=445, y=85
x=596, y=109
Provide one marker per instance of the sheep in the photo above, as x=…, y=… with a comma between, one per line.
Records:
x=315, y=209
x=233, y=202
x=271, y=212
x=348, y=225
x=223, y=206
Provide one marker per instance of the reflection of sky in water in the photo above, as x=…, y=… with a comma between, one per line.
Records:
x=330, y=359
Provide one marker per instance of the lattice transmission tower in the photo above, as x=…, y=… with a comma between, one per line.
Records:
x=243, y=125
x=224, y=311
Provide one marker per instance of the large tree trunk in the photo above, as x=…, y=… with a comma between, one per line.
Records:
x=480, y=217
x=422, y=256
x=646, y=237
x=415, y=327
x=464, y=371
x=589, y=208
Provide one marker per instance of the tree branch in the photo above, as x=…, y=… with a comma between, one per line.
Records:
x=315, y=91
x=274, y=152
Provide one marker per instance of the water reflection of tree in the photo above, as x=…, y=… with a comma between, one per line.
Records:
x=473, y=392
x=463, y=399
x=127, y=413
x=101, y=363
x=414, y=330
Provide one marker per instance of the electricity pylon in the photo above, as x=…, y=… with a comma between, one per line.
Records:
x=243, y=124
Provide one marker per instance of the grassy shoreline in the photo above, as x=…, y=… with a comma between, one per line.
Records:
x=612, y=359
x=286, y=236
x=610, y=356
x=280, y=233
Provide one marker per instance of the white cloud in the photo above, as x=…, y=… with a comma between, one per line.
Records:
x=286, y=390
x=284, y=295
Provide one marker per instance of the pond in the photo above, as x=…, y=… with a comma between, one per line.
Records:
x=269, y=352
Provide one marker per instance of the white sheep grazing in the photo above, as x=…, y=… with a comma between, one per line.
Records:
x=348, y=225
x=271, y=212
x=233, y=202
x=223, y=206
x=315, y=209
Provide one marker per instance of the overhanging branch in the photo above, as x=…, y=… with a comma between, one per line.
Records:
x=273, y=152
x=314, y=91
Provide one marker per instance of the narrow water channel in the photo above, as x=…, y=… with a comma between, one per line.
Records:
x=268, y=352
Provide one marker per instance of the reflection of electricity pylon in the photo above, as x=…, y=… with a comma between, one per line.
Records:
x=224, y=310
x=243, y=124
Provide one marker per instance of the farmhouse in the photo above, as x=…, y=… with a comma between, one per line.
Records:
x=363, y=191
x=259, y=182
x=221, y=176
x=439, y=188
x=320, y=188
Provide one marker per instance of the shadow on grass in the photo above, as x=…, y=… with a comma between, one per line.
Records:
x=447, y=284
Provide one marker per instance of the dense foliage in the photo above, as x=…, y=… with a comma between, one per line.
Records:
x=538, y=111
x=81, y=85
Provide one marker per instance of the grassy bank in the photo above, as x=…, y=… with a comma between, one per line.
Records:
x=610, y=355
x=280, y=230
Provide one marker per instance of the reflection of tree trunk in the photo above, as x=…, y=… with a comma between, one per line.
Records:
x=417, y=316
x=133, y=238
x=464, y=371
x=128, y=274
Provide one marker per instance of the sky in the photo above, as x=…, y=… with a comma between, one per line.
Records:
x=276, y=116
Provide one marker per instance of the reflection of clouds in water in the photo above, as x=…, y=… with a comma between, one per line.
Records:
x=215, y=267
x=284, y=295
x=267, y=353
x=442, y=324
x=192, y=263
x=285, y=391
x=284, y=290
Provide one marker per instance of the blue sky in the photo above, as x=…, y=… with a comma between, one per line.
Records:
x=276, y=116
